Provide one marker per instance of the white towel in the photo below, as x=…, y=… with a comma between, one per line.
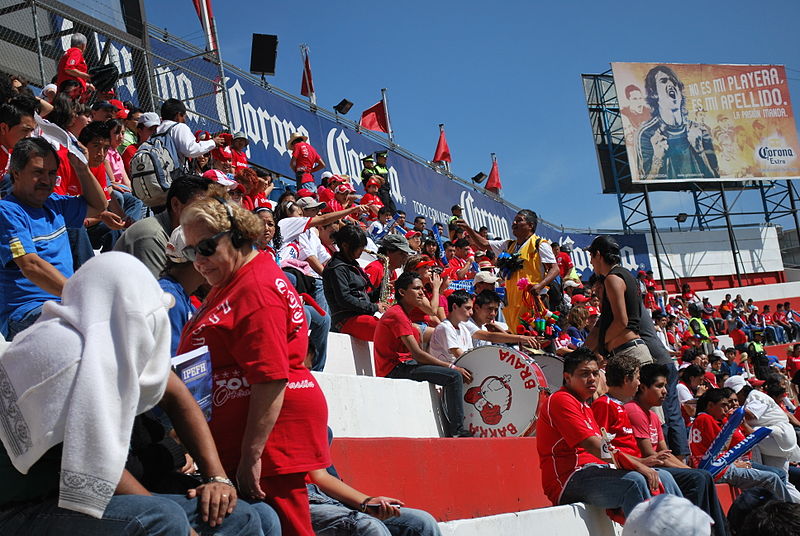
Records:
x=81, y=374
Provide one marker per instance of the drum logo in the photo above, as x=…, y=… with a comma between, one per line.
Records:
x=491, y=399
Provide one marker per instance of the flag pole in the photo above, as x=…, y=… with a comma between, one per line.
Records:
x=386, y=109
x=445, y=163
x=312, y=97
x=212, y=42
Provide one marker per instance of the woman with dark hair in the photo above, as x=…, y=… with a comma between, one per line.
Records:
x=398, y=353
x=433, y=307
x=352, y=299
x=271, y=241
x=691, y=385
x=272, y=433
x=431, y=249
x=617, y=331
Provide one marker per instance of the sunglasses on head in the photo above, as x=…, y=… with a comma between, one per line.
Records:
x=206, y=247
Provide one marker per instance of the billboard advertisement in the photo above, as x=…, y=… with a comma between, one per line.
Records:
x=699, y=122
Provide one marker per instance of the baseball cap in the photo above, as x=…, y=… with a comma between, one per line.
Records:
x=149, y=119
x=593, y=311
x=720, y=354
x=485, y=277
x=311, y=203
x=220, y=178
x=304, y=192
x=412, y=234
x=396, y=241
x=49, y=87
x=667, y=515
x=755, y=382
x=344, y=188
x=372, y=181
x=735, y=383
x=175, y=246
x=579, y=298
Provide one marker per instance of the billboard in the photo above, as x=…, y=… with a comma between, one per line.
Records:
x=698, y=122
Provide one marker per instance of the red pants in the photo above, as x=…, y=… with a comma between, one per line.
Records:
x=288, y=495
x=361, y=327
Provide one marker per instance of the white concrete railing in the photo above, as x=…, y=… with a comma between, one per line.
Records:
x=569, y=520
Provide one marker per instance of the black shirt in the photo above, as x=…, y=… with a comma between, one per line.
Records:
x=632, y=305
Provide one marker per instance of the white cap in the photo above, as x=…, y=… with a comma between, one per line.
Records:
x=667, y=515
x=49, y=87
x=485, y=277
x=175, y=246
x=149, y=119
x=735, y=383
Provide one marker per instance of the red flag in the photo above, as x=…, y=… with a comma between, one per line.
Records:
x=307, y=87
x=374, y=118
x=442, y=150
x=493, y=184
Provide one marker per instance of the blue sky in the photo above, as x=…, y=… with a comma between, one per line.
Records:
x=503, y=77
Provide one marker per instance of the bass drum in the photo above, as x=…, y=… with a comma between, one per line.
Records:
x=506, y=392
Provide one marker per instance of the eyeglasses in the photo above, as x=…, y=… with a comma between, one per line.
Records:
x=206, y=247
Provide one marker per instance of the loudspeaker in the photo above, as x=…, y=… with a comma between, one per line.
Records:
x=263, y=54
x=343, y=107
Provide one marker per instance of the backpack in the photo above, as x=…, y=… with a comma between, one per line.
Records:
x=153, y=168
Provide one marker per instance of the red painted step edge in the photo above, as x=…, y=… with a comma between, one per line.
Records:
x=451, y=478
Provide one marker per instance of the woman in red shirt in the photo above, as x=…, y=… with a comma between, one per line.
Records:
x=269, y=415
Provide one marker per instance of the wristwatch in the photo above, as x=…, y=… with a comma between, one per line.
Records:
x=219, y=480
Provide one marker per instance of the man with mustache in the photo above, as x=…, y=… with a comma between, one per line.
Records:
x=35, y=257
x=669, y=145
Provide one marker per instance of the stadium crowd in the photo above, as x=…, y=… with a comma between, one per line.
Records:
x=109, y=269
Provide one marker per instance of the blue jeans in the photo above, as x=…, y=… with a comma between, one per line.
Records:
x=126, y=515
x=26, y=321
x=452, y=389
x=270, y=522
x=320, y=326
x=607, y=488
x=756, y=478
x=674, y=426
x=132, y=206
x=329, y=517
x=81, y=246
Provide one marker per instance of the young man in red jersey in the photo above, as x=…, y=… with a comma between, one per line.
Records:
x=574, y=467
x=623, y=380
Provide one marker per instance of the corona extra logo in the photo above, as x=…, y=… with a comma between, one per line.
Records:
x=477, y=217
x=775, y=156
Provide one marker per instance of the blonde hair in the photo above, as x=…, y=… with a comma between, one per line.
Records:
x=578, y=316
x=211, y=212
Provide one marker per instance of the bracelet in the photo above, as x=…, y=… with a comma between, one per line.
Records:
x=452, y=365
x=363, y=506
x=218, y=480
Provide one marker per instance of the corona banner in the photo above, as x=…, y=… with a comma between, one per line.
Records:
x=698, y=122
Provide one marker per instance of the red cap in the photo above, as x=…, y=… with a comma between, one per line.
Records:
x=593, y=311
x=304, y=192
x=344, y=188
x=412, y=234
x=755, y=382
x=424, y=264
x=222, y=153
x=372, y=182
x=579, y=298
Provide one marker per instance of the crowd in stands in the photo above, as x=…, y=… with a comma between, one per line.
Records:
x=105, y=277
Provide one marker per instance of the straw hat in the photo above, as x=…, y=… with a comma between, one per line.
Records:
x=293, y=138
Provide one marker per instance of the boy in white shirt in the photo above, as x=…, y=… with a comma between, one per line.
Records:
x=453, y=337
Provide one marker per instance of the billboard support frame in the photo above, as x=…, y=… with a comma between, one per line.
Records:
x=653, y=233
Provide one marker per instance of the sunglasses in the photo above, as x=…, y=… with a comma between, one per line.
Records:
x=206, y=247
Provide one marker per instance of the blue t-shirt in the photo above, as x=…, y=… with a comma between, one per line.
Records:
x=43, y=231
x=180, y=313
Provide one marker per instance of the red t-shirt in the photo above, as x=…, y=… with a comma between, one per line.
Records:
x=67, y=182
x=564, y=262
x=324, y=194
x=646, y=424
x=457, y=263
x=5, y=156
x=256, y=331
x=389, y=349
x=703, y=432
x=100, y=174
x=418, y=316
x=375, y=272
x=738, y=336
x=609, y=414
x=305, y=156
x=564, y=422
x=238, y=160
x=72, y=59
x=372, y=199
x=792, y=366
x=127, y=156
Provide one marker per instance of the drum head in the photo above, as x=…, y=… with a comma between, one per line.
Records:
x=553, y=369
x=504, y=396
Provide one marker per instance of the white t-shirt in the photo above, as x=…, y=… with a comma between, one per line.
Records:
x=446, y=336
x=473, y=327
x=684, y=393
